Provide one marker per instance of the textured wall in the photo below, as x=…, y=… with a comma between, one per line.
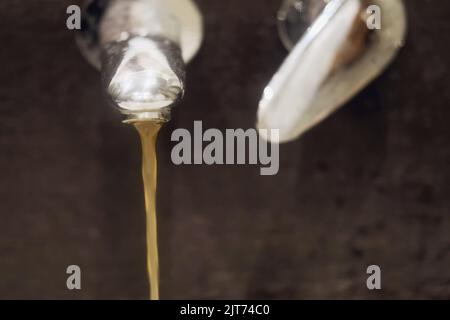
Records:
x=368, y=185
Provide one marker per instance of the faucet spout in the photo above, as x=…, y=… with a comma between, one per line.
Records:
x=333, y=56
x=140, y=47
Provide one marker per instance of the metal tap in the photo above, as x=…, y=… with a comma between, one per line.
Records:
x=141, y=47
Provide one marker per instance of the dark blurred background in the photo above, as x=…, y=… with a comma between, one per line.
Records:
x=370, y=185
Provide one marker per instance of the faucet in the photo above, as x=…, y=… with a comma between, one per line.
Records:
x=332, y=57
x=141, y=48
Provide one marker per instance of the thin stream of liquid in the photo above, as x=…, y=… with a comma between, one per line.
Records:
x=148, y=132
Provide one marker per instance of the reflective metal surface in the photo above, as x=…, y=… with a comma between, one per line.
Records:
x=309, y=85
x=141, y=46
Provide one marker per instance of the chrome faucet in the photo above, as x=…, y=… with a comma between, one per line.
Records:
x=332, y=57
x=141, y=47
